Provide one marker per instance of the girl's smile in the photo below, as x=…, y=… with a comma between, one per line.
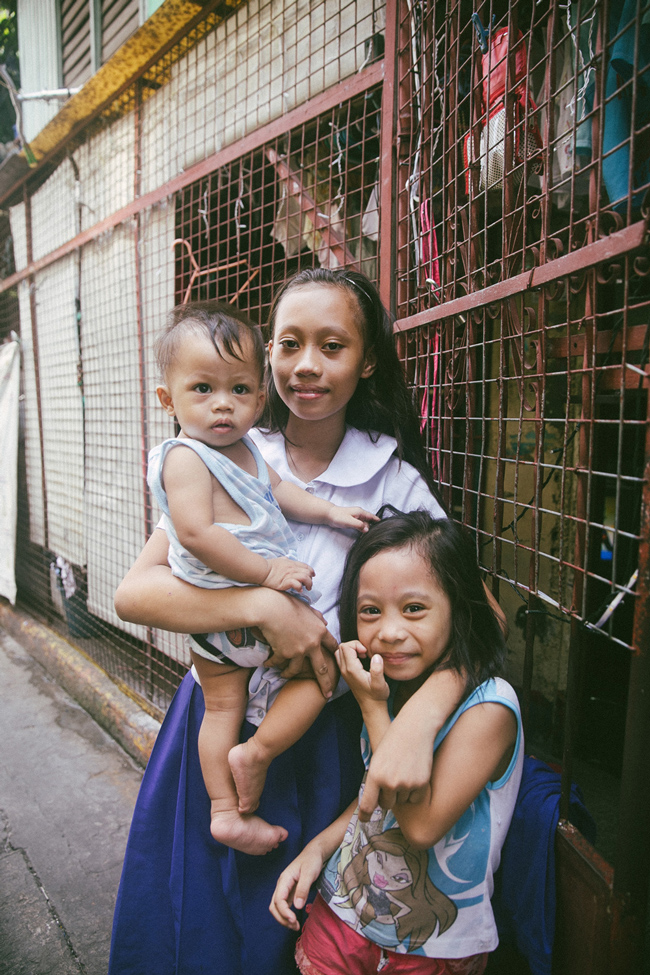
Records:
x=317, y=351
x=402, y=613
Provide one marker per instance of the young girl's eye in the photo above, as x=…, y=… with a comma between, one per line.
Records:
x=414, y=608
x=240, y=389
x=332, y=346
x=368, y=611
x=202, y=388
x=289, y=344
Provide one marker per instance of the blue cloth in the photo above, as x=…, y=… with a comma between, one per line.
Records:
x=524, y=886
x=618, y=121
x=190, y=906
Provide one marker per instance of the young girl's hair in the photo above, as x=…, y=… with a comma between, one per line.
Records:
x=224, y=325
x=381, y=403
x=476, y=646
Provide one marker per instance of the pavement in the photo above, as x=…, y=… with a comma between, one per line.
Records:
x=67, y=791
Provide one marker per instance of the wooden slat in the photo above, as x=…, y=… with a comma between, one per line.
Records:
x=76, y=23
x=123, y=25
x=75, y=31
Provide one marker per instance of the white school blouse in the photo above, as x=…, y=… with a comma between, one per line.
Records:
x=365, y=471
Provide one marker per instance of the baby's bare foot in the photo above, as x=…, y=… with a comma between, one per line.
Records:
x=249, y=769
x=248, y=834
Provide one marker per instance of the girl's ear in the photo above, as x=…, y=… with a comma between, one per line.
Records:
x=370, y=364
x=269, y=348
x=165, y=398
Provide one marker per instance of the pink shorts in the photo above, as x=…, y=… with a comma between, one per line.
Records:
x=327, y=946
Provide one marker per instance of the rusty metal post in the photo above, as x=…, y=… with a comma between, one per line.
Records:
x=632, y=863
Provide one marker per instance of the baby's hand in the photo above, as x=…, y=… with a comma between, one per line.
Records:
x=286, y=574
x=365, y=685
x=351, y=518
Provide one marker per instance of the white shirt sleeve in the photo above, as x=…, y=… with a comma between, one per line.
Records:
x=408, y=491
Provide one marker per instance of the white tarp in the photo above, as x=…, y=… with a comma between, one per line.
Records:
x=9, y=393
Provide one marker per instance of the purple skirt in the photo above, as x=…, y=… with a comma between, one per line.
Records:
x=188, y=905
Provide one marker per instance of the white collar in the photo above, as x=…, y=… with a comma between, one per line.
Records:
x=356, y=461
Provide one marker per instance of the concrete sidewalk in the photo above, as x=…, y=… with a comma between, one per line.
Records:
x=67, y=792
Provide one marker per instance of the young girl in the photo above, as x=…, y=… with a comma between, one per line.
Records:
x=186, y=903
x=220, y=512
x=408, y=889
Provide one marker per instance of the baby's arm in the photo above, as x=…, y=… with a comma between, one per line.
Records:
x=193, y=498
x=300, y=505
x=295, y=880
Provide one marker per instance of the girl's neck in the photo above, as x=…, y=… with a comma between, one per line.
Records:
x=311, y=445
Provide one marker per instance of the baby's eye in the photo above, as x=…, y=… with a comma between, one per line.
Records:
x=202, y=388
x=240, y=389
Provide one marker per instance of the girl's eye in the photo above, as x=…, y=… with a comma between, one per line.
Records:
x=240, y=389
x=368, y=611
x=332, y=346
x=289, y=344
x=414, y=608
x=202, y=388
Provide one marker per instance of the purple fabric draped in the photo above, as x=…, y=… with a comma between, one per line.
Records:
x=190, y=906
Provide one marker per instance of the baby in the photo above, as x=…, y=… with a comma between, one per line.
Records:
x=223, y=512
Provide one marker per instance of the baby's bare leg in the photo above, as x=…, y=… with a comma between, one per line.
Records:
x=225, y=690
x=293, y=712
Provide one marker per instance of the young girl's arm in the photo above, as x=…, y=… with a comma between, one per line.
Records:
x=300, y=505
x=191, y=492
x=400, y=770
x=476, y=751
x=151, y=596
x=295, y=880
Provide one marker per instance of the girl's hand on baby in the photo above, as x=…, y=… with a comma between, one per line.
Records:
x=285, y=574
x=355, y=518
x=366, y=685
x=292, y=888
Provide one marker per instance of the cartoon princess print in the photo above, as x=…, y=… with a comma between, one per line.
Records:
x=387, y=882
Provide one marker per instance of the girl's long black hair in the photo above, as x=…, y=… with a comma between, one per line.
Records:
x=381, y=403
x=476, y=647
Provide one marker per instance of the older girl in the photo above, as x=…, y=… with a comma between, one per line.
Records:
x=339, y=423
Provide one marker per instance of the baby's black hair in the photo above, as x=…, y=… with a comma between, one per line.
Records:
x=224, y=325
x=477, y=646
x=381, y=403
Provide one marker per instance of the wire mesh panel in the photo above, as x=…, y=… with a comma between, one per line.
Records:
x=523, y=135
x=304, y=198
x=305, y=195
